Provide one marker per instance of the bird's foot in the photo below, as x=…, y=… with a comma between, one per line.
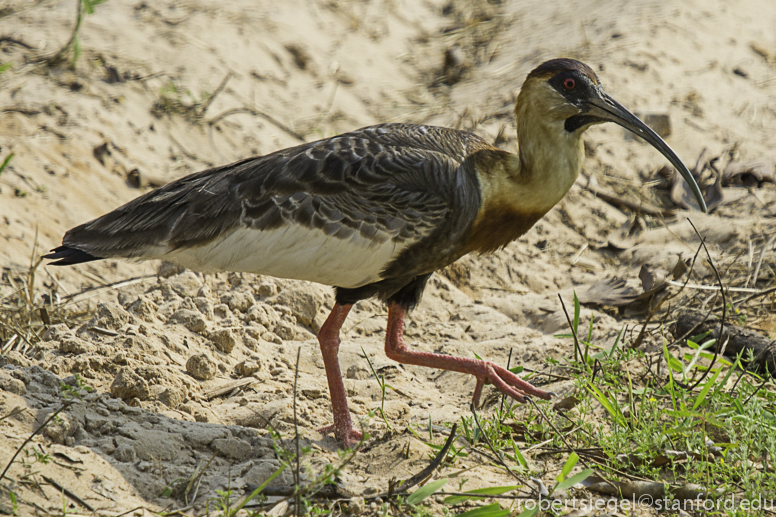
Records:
x=506, y=382
x=344, y=433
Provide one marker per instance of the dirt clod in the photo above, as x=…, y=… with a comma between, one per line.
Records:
x=202, y=367
x=128, y=384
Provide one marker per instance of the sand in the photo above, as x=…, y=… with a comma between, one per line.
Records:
x=167, y=88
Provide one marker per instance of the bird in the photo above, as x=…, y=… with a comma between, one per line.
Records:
x=374, y=213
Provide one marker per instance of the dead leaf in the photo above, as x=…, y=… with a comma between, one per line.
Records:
x=682, y=196
x=652, y=280
x=625, y=236
x=748, y=174
x=679, y=270
x=612, y=291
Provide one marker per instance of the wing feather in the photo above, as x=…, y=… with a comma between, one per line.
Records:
x=372, y=193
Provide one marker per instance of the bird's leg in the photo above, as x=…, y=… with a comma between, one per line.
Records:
x=329, y=338
x=484, y=371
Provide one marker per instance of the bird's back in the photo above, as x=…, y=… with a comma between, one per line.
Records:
x=339, y=211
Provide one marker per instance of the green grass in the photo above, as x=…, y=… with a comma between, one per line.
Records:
x=671, y=418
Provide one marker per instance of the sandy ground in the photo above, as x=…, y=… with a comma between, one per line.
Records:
x=137, y=104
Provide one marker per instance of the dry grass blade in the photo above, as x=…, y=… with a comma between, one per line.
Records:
x=642, y=333
x=760, y=259
x=68, y=493
x=718, y=349
x=29, y=438
x=565, y=441
x=297, y=469
x=426, y=472
x=497, y=456
x=577, y=349
x=256, y=113
x=212, y=97
x=15, y=411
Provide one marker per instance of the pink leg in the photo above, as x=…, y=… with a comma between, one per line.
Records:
x=485, y=371
x=329, y=339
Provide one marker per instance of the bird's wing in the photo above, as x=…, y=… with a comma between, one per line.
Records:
x=336, y=211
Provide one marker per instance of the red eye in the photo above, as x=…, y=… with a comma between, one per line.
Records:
x=569, y=84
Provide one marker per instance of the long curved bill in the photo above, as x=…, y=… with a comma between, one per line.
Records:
x=608, y=109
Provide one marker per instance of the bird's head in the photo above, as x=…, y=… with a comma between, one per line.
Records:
x=563, y=97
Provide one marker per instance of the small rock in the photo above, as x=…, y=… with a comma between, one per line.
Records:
x=168, y=269
x=272, y=338
x=263, y=469
x=125, y=453
x=252, y=343
x=247, y=367
x=234, y=279
x=59, y=429
x=312, y=393
x=186, y=408
x=15, y=358
x=186, y=284
x=237, y=301
x=263, y=314
x=356, y=506
x=106, y=445
x=12, y=385
x=168, y=308
x=267, y=289
x=223, y=339
x=128, y=384
x=168, y=293
x=304, y=300
x=109, y=315
x=74, y=345
x=222, y=310
x=255, y=330
x=232, y=448
x=201, y=367
x=172, y=397
x=285, y=330
x=56, y=332
x=204, y=306
x=144, y=309
x=94, y=424
x=192, y=320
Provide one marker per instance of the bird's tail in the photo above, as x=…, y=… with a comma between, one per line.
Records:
x=185, y=213
x=65, y=256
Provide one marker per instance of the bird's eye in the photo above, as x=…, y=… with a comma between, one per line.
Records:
x=569, y=83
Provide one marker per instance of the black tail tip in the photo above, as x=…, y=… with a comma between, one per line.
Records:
x=65, y=256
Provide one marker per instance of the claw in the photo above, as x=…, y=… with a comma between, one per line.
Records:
x=506, y=382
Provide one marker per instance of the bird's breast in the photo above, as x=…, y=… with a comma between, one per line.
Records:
x=497, y=226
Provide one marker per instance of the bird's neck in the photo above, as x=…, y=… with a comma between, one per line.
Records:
x=550, y=158
x=517, y=190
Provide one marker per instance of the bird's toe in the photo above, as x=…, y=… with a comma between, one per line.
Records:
x=347, y=436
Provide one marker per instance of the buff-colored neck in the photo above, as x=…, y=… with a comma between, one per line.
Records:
x=550, y=157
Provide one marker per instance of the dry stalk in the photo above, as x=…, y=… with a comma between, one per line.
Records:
x=637, y=342
x=720, y=347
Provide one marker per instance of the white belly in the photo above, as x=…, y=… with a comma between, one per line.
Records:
x=294, y=252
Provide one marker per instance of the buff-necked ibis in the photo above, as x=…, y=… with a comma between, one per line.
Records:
x=374, y=212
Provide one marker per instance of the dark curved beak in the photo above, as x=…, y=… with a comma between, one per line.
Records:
x=607, y=109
